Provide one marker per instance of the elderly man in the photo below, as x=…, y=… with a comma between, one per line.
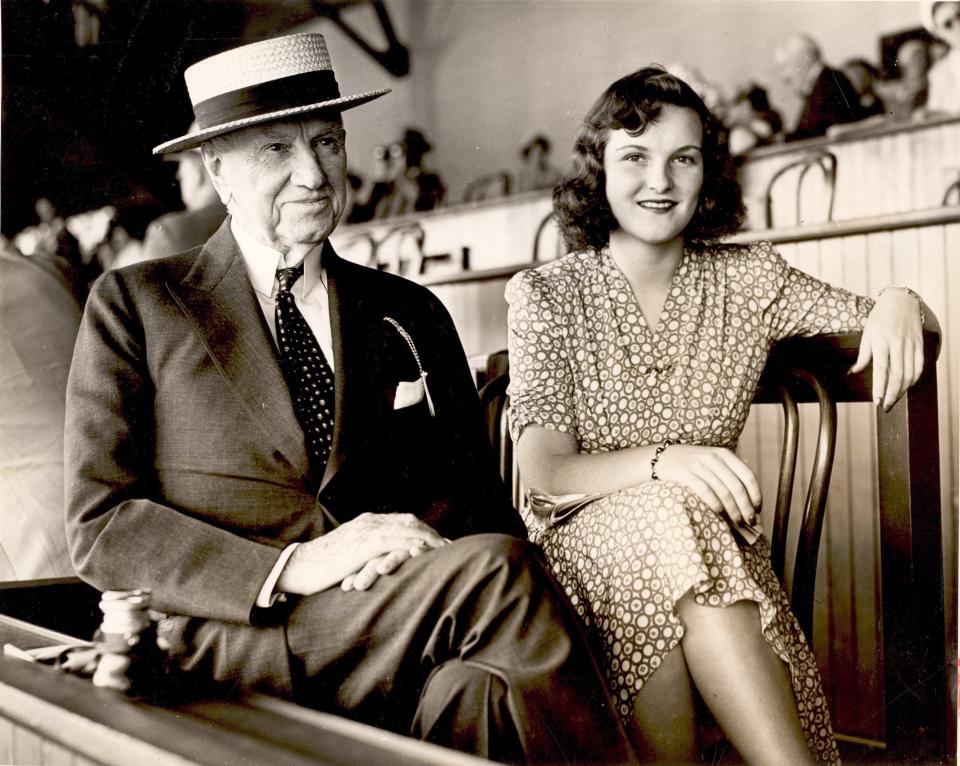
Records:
x=282, y=445
x=828, y=97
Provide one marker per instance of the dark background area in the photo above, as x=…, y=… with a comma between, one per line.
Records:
x=79, y=123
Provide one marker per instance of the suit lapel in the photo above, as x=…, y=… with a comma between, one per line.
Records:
x=217, y=297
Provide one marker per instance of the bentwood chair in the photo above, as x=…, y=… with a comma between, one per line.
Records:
x=824, y=160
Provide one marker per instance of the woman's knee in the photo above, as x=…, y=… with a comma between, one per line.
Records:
x=696, y=617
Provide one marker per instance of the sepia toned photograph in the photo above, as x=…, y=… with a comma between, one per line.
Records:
x=449, y=382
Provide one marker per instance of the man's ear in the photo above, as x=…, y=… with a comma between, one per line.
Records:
x=214, y=166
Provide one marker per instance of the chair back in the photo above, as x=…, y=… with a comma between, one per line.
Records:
x=785, y=382
x=824, y=160
x=547, y=241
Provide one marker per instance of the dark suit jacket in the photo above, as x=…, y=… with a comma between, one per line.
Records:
x=186, y=465
x=831, y=102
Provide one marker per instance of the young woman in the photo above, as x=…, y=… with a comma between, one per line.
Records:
x=634, y=360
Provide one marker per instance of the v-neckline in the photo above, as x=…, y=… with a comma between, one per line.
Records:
x=655, y=333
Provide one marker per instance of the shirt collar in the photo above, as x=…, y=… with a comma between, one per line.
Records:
x=263, y=261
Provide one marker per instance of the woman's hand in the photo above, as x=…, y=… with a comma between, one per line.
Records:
x=717, y=476
x=893, y=340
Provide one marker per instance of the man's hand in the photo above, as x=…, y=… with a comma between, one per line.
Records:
x=355, y=554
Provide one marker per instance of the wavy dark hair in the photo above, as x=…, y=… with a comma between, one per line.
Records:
x=631, y=103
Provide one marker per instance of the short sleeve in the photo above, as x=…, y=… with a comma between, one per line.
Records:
x=541, y=383
x=796, y=303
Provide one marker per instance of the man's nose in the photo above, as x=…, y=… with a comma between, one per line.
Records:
x=307, y=170
x=659, y=178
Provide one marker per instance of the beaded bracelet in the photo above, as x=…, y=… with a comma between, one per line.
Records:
x=656, y=457
x=912, y=294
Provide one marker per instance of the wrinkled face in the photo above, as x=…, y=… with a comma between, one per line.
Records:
x=653, y=180
x=946, y=20
x=284, y=181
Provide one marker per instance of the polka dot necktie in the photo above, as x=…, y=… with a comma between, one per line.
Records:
x=307, y=373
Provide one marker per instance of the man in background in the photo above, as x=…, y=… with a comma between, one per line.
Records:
x=204, y=212
x=828, y=97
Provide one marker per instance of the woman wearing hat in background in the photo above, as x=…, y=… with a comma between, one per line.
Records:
x=633, y=364
x=942, y=19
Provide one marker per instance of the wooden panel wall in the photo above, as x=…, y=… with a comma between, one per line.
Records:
x=20, y=745
x=498, y=233
x=847, y=633
x=880, y=174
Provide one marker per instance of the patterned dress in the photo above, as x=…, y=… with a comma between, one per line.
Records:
x=584, y=362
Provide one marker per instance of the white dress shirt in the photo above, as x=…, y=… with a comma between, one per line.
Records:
x=309, y=292
x=310, y=296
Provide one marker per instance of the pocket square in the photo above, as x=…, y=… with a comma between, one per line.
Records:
x=409, y=392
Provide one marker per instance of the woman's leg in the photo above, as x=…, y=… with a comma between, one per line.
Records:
x=744, y=683
x=664, y=725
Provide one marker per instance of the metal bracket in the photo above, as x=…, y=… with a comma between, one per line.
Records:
x=395, y=58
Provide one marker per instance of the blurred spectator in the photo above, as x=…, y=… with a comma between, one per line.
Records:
x=862, y=75
x=118, y=248
x=938, y=50
x=751, y=120
x=413, y=188
x=51, y=237
x=536, y=171
x=711, y=93
x=908, y=93
x=39, y=317
x=91, y=227
x=87, y=15
x=400, y=184
x=942, y=19
x=828, y=97
x=388, y=163
x=179, y=231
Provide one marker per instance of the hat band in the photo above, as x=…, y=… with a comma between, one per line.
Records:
x=264, y=98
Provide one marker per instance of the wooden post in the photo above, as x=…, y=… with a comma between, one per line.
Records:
x=911, y=562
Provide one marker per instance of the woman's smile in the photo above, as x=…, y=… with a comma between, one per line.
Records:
x=654, y=178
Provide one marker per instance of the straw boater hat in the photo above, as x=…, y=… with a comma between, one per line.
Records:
x=263, y=81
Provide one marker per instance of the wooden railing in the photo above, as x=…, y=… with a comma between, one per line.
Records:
x=866, y=172
x=52, y=718
x=879, y=169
